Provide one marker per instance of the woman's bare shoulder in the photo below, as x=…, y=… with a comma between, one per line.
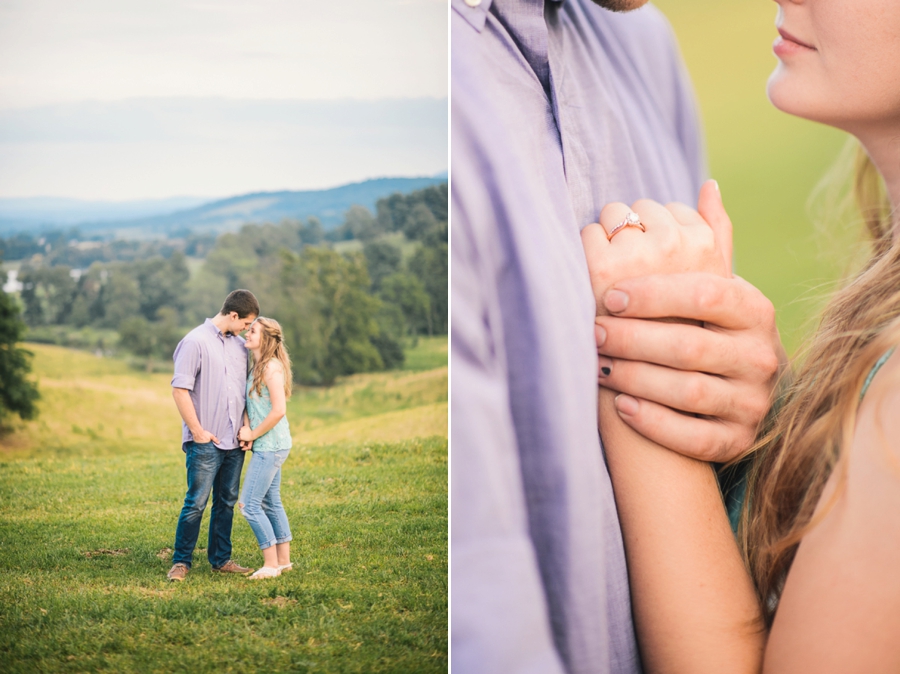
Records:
x=273, y=368
x=838, y=611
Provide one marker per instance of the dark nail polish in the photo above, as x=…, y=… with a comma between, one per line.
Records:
x=604, y=366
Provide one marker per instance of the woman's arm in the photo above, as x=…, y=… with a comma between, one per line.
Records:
x=245, y=444
x=694, y=605
x=274, y=378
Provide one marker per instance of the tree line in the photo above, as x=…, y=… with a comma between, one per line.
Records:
x=348, y=299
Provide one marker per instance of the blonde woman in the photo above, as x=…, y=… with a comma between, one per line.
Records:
x=813, y=582
x=266, y=427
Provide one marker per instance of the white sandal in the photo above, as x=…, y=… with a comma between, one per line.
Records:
x=285, y=567
x=265, y=572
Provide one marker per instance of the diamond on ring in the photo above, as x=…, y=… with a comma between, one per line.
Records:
x=632, y=219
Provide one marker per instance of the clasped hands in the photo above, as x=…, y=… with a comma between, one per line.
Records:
x=700, y=380
x=245, y=438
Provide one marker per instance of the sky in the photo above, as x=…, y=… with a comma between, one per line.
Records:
x=111, y=100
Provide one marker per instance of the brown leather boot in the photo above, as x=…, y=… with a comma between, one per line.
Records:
x=232, y=567
x=178, y=572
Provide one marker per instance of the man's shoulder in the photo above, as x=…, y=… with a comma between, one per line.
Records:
x=198, y=334
x=195, y=340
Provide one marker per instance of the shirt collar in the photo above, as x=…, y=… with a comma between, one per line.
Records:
x=212, y=328
x=476, y=11
x=474, y=14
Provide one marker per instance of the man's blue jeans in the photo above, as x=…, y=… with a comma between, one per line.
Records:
x=208, y=469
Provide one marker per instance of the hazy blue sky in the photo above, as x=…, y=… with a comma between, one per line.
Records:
x=104, y=99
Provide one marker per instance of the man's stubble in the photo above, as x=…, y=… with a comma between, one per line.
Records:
x=621, y=5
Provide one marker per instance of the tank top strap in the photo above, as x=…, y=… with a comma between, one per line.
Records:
x=877, y=366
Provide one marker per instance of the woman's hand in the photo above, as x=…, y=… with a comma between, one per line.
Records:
x=677, y=239
x=700, y=389
x=245, y=434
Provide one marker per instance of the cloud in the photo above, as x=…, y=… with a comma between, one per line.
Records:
x=151, y=148
x=54, y=51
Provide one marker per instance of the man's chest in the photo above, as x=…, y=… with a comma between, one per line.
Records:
x=600, y=133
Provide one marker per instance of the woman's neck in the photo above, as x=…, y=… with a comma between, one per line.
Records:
x=884, y=151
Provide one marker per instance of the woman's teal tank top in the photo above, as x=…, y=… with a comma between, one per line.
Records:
x=258, y=408
x=734, y=489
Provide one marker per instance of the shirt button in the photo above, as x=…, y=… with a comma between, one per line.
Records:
x=473, y=3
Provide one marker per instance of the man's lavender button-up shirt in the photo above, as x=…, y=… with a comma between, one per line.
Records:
x=558, y=107
x=213, y=367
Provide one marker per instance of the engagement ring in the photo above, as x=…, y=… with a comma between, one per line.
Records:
x=631, y=220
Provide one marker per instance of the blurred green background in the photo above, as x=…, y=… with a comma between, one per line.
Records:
x=767, y=163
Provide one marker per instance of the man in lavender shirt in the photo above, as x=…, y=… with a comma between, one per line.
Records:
x=559, y=107
x=209, y=390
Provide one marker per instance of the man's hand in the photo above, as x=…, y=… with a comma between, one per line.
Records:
x=202, y=436
x=720, y=375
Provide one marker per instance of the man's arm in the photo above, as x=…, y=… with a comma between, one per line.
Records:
x=186, y=409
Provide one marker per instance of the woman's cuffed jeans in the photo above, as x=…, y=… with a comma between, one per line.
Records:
x=261, y=498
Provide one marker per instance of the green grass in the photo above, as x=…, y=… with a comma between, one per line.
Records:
x=428, y=353
x=767, y=163
x=89, y=498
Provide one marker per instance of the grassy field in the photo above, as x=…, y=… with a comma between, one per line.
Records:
x=90, y=494
x=766, y=162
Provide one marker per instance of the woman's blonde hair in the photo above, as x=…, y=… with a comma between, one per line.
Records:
x=815, y=416
x=271, y=346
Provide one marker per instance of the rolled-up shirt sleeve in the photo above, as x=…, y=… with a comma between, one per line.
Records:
x=187, y=359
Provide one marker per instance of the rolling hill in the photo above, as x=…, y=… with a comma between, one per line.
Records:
x=137, y=219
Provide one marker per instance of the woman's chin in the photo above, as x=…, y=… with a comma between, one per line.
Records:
x=791, y=99
x=780, y=94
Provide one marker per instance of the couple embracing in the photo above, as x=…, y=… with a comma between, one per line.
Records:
x=229, y=408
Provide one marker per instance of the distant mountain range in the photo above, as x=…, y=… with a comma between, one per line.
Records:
x=139, y=219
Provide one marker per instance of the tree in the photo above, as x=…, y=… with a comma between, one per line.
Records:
x=407, y=293
x=120, y=296
x=429, y=264
x=395, y=213
x=162, y=283
x=382, y=259
x=156, y=340
x=312, y=233
x=329, y=318
x=48, y=294
x=18, y=395
x=361, y=224
x=419, y=222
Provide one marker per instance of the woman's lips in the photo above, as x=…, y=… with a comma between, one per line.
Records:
x=788, y=45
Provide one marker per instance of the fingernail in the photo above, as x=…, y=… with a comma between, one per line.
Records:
x=616, y=301
x=600, y=335
x=716, y=183
x=604, y=366
x=626, y=405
